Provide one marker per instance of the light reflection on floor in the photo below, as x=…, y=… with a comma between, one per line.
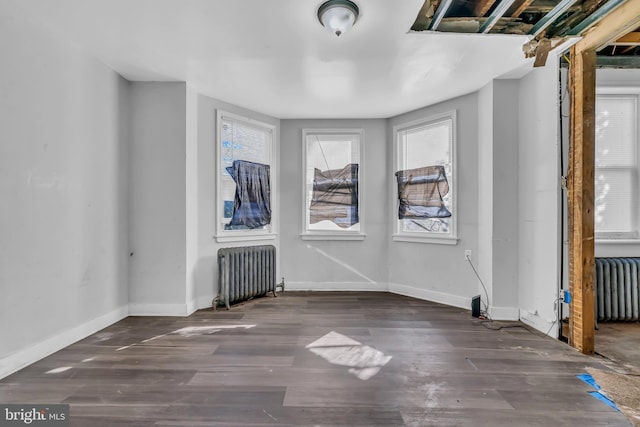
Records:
x=364, y=361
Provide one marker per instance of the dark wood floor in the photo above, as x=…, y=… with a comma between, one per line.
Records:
x=251, y=367
x=620, y=343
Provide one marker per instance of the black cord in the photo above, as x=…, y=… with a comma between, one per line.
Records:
x=485, y=324
x=490, y=320
x=555, y=310
x=486, y=306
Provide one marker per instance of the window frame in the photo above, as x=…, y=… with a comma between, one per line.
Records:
x=360, y=234
x=450, y=238
x=270, y=233
x=634, y=235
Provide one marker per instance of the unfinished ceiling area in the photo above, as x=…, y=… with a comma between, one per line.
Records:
x=547, y=22
x=548, y=18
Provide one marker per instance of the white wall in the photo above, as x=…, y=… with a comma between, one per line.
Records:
x=340, y=265
x=497, y=257
x=191, y=182
x=94, y=168
x=63, y=185
x=483, y=257
x=617, y=78
x=157, y=198
x=440, y=272
x=539, y=189
x=505, y=238
x=204, y=270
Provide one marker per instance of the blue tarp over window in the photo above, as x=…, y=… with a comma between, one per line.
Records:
x=252, y=201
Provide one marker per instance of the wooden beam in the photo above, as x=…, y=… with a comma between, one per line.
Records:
x=542, y=52
x=619, y=21
x=629, y=39
x=596, y=16
x=481, y=7
x=580, y=200
x=519, y=7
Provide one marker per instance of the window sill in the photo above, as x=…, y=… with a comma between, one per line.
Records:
x=429, y=240
x=332, y=236
x=618, y=241
x=244, y=237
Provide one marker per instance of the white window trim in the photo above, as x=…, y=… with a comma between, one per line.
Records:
x=633, y=237
x=223, y=235
x=334, y=235
x=452, y=237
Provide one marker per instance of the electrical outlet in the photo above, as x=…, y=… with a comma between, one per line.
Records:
x=467, y=254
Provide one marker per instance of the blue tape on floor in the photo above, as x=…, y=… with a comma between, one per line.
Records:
x=604, y=399
x=587, y=378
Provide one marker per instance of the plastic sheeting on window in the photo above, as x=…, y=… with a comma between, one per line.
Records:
x=335, y=196
x=421, y=192
x=252, y=202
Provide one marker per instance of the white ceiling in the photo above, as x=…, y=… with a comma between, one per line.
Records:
x=274, y=57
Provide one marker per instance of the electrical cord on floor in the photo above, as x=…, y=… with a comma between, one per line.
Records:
x=485, y=313
x=485, y=324
x=486, y=306
x=555, y=310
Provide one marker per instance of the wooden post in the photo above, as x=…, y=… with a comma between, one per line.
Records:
x=581, y=200
x=620, y=21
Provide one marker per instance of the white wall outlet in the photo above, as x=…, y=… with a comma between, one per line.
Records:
x=467, y=254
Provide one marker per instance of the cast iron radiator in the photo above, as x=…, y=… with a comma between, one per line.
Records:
x=245, y=272
x=617, y=289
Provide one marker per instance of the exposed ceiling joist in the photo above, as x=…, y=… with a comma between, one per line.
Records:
x=497, y=13
x=482, y=7
x=550, y=17
x=440, y=13
x=518, y=7
x=630, y=39
x=620, y=21
x=590, y=20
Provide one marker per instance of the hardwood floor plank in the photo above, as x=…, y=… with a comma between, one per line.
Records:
x=316, y=359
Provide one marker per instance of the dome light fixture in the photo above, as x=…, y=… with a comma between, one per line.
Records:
x=337, y=16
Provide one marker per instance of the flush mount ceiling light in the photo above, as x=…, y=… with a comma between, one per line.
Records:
x=338, y=16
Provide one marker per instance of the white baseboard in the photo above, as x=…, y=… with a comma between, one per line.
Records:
x=29, y=355
x=335, y=286
x=192, y=306
x=204, y=302
x=504, y=313
x=546, y=326
x=158, y=310
x=429, y=295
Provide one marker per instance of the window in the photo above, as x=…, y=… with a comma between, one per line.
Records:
x=245, y=159
x=332, y=184
x=424, y=182
x=616, y=172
